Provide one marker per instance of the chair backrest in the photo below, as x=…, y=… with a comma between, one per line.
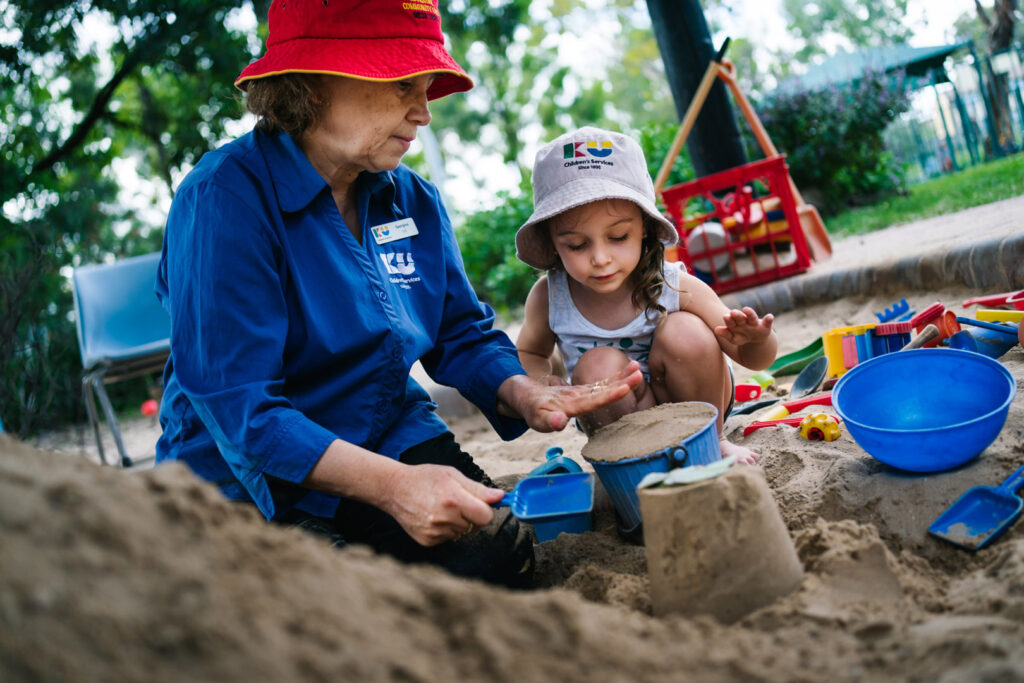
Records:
x=117, y=314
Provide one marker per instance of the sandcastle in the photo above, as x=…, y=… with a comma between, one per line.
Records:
x=718, y=546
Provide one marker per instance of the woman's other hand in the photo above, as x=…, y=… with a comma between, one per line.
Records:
x=547, y=405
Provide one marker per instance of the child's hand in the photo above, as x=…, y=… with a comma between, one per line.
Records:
x=744, y=327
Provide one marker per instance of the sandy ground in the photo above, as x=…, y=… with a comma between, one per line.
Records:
x=150, y=575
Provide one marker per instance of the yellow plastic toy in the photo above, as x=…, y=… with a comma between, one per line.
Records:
x=820, y=427
x=833, y=344
x=999, y=316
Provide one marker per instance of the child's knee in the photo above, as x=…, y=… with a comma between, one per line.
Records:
x=684, y=337
x=598, y=363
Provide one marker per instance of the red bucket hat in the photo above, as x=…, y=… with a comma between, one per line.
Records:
x=374, y=40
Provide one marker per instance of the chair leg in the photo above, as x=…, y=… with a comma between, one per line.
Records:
x=92, y=388
x=115, y=427
x=88, y=397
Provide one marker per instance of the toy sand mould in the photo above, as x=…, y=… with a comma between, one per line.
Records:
x=648, y=431
x=717, y=547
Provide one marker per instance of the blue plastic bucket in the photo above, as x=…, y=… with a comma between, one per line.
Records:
x=621, y=477
x=572, y=524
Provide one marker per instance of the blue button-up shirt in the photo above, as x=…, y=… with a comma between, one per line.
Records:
x=287, y=333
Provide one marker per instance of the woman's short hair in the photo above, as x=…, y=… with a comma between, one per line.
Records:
x=290, y=102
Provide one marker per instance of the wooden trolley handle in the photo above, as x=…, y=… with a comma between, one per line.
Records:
x=725, y=70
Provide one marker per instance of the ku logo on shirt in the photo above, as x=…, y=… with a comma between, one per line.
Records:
x=399, y=263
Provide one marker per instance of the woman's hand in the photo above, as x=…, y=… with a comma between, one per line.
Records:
x=434, y=503
x=547, y=406
x=744, y=327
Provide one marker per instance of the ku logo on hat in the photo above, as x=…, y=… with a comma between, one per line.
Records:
x=595, y=148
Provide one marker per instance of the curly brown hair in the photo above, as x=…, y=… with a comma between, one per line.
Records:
x=649, y=275
x=290, y=102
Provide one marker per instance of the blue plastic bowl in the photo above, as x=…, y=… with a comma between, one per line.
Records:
x=925, y=410
x=621, y=477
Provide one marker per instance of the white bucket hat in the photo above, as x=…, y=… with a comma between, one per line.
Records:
x=577, y=168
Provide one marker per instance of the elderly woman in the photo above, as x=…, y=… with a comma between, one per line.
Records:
x=305, y=271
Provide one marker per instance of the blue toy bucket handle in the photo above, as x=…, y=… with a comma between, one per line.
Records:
x=673, y=455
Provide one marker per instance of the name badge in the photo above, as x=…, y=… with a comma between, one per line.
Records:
x=395, y=230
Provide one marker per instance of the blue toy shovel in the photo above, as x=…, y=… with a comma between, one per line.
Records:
x=981, y=514
x=551, y=496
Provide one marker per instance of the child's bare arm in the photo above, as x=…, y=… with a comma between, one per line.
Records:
x=743, y=336
x=536, y=341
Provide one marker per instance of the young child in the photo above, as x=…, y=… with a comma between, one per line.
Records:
x=609, y=295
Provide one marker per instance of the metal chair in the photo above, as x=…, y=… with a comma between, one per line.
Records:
x=123, y=332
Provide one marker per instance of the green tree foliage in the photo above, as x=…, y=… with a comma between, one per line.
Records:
x=814, y=23
x=636, y=68
x=505, y=53
x=158, y=95
x=517, y=54
x=833, y=138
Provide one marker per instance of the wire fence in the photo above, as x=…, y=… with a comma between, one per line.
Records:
x=967, y=112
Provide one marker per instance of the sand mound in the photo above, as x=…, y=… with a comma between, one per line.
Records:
x=112, y=575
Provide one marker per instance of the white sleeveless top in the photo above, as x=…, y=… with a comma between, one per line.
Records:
x=575, y=334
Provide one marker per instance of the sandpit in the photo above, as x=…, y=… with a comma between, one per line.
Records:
x=111, y=575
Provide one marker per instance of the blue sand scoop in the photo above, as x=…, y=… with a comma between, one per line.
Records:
x=981, y=514
x=551, y=496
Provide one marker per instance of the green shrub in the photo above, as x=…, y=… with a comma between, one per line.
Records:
x=832, y=138
x=488, y=243
x=656, y=139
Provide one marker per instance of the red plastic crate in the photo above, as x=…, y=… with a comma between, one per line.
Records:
x=755, y=210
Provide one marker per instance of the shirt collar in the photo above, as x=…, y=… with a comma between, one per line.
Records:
x=297, y=183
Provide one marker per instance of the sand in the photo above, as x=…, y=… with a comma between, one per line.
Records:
x=648, y=431
x=150, y=575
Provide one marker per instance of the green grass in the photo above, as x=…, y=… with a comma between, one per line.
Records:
x=974, y=186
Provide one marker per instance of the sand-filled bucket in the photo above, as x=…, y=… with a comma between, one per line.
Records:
x=717, y=546
x=655, y=440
